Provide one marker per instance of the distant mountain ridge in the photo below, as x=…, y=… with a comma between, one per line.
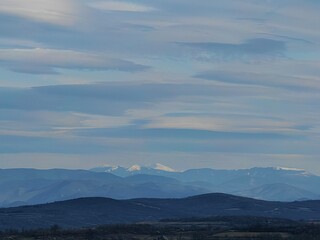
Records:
x=289, y=184
x=31, y=186
x=86, y=212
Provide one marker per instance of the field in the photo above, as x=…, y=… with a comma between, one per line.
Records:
x=222, y=228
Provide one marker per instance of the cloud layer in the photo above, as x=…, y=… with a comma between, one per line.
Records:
x=190, y=84
x=46, y=61
x=120, y=6
x=58, y=12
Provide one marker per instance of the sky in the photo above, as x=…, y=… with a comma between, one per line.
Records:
x=190, y=84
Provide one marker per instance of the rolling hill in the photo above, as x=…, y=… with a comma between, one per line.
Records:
x=86, y=212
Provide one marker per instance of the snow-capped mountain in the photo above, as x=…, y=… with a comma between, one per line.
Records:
x=156, y=169
x=30, y=186
x=270, y=183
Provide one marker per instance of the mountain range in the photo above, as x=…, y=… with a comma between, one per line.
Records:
x=89, y=212
x=31, y=186
x=271, y=183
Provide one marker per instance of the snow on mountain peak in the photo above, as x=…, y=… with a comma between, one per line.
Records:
x=162, y=167
x=157, y=166
x=134, y=168
x=113, y=168
x=289, y=169
x=299, y=171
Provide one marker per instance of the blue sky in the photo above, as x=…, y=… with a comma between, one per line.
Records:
x=190, y=84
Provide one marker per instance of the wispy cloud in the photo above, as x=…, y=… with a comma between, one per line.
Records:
x=261, y=79
x=235, y=124
x=47, y=61
x=120, y=6
x=61, y=12
x=169, y=79
x=251, y=48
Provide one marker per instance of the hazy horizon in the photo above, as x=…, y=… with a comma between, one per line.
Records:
x=218, y=84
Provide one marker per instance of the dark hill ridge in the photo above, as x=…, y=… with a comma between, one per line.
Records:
x=97, y=211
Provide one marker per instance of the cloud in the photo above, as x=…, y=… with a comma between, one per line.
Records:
x=225, y=123
x=251, y=48
x=24, y=144
x=120, y=6
x=47, y=61
x=243, y=78
x=193, y=140
x=61, y=12
x=261, y=79
x=53, y=123
x=118, y=98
